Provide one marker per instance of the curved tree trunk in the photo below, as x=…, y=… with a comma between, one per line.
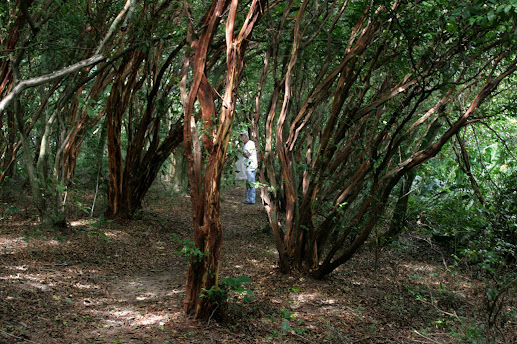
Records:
x=399, y=219
x=131, y=177
x=369, y=116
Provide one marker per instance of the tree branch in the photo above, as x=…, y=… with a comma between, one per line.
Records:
x=48, y=78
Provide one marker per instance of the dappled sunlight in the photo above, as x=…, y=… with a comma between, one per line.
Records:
x=113, y=234
x=329, y=302
x=19, y=224
x=134, y=317
x=318, y=303
x=24, y=280
x=82, y=222
x=45, y=280
x=17, y=267
x=151, y=319
x=131, y=288
x=305, y=297
x=82, y=286
x=40, y=286
x=146, y=296
x=420, y=267
x=51, y=242
x=10, y=245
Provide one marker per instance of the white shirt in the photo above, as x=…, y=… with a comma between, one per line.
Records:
x=251, y=162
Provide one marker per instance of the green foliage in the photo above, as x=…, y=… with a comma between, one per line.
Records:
x=97, y=224
x=288, y=324
x=8, y=211
x=481, y=235
x=35, y=234
x=230, y=289
x=96, y=227
x=189, y=250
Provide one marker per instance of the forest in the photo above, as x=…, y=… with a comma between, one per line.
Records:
x=386, y=186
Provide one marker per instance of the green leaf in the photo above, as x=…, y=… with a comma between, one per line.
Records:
x=491, y=15
x=285, y=327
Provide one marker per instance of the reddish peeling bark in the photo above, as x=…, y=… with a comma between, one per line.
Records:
x=147, y=148
x=369, y=115
x=205, y=176
x=12, y=39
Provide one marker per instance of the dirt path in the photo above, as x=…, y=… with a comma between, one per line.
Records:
x=82, y=288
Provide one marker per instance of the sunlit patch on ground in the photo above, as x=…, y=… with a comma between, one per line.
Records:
x=38, y=285
x=116, y=317
x=112, y=234
x=419, y=267
x=146, y=296
x=131, y=288
x=305, y=297
x=151, y=319
x=83, y=286
x=82, y=222
x=10, y=245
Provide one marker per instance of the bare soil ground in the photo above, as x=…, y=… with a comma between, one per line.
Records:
x=106, y=282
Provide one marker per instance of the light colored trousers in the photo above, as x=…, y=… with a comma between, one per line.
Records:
x=250, y=186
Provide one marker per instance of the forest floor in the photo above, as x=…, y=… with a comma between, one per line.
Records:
x=107, y=282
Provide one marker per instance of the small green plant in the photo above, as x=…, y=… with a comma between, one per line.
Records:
x=35, y=234
x=335, y=335
x=286, y=325
x=471, y=334
x=230, y=289
x=295, y=289
x=189, y=250
x=9, y=210
x=95, y=227
x=289, y=324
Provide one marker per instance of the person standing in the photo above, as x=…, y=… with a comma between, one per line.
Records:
x=250, y=161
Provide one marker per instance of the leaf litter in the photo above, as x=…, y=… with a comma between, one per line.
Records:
x=123, y=282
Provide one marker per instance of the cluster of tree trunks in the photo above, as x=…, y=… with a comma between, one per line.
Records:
x=358, y=93
x=363, y=125
x=74, y=114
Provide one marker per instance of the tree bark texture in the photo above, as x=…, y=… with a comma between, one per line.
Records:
x=146, y=151
x=205, y=174
x=351, y=125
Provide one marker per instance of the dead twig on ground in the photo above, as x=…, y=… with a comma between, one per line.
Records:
x=13, y=336
x=426, y=337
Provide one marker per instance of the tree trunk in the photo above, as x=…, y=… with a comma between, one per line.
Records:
x=368, y=114
x=205, y=185
x=115, y=108
x=8, y=156
x=130, y=179
x=398, y=221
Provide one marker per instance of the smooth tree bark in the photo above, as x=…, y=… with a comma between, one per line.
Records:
x=206, y=157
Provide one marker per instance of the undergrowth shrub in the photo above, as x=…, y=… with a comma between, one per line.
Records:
x=482, y=237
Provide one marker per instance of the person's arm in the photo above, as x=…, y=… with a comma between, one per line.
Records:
x=245, y=151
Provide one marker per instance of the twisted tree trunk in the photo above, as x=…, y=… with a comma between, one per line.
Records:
x=205, y=177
